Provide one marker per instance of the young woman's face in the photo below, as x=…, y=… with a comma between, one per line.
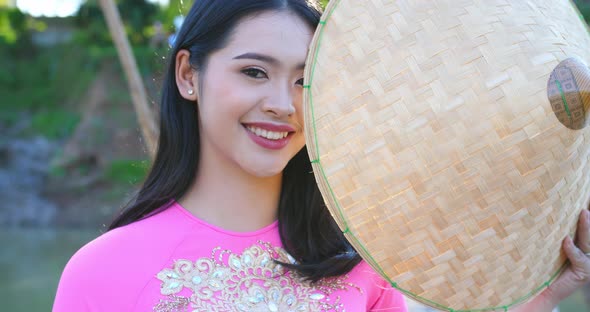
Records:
x=250, y=103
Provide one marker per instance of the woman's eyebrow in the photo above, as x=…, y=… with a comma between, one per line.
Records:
x=264, y=58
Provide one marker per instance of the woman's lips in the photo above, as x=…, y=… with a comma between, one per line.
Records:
x=269, y=136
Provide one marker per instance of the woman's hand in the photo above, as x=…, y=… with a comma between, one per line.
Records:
x=576, y=275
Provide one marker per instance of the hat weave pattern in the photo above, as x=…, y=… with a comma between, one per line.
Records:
x=436, y=147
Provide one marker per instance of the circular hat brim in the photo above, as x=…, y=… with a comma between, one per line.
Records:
x=437, y=150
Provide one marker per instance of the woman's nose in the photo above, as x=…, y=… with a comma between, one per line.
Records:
x=281, y=103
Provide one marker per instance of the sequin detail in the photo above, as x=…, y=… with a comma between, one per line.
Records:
x=250, y=281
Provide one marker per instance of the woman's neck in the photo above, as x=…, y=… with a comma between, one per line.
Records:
x=226, y=196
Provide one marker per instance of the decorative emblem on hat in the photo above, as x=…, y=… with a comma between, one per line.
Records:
x=568, y=90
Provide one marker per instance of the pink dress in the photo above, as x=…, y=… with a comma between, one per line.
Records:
x=173, y=261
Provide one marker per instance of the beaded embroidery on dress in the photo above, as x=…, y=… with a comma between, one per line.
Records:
x=250, y=281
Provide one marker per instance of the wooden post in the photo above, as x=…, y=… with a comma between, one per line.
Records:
x=145, y=116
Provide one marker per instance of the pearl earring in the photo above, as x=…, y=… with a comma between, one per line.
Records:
x=190, y=92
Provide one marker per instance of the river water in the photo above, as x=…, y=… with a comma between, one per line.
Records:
x=31, y=261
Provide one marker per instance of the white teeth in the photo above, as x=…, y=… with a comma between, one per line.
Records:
x=271, y=135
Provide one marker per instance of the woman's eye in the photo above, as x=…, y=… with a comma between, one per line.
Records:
x=255, y=73
x=299, y=82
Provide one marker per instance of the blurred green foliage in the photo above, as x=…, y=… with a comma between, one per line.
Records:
x=127, y=171
x=50, y=82
x=174, y=8
x=13, y=25
x=44, y=83
x=42, y=80
x=137, y=16
x=54, y=124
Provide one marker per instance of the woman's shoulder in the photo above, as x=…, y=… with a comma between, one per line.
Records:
x=120, y=260
x=133, y=240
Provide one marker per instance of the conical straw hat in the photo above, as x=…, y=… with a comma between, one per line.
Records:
x=449, y=139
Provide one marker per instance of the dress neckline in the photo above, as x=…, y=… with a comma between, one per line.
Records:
x=192, y=217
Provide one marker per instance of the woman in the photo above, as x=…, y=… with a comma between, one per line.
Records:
x=230, y=217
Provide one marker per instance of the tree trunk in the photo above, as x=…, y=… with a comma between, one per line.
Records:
x=145, y=116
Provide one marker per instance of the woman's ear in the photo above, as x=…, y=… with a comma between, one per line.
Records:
x=186, y=77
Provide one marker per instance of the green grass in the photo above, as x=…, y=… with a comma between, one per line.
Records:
x=56, y=124
x=44, y=79
x=127, y=171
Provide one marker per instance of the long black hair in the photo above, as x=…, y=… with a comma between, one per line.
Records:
x=307, y=231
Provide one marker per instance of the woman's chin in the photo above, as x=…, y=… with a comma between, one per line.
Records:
x=266, y=171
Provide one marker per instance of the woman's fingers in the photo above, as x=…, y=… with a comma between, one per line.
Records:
x=583, y=233
x=580, y=262
x=578, y=253
x=577, y=272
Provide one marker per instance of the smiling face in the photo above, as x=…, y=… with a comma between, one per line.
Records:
x=250, y=103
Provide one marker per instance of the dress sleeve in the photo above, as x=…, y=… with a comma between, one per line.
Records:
x=75, y=288
x=97, y=278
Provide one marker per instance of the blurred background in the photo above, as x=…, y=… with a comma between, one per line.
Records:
x=71, y=150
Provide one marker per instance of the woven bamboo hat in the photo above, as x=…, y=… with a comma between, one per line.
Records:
x=449, y=139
